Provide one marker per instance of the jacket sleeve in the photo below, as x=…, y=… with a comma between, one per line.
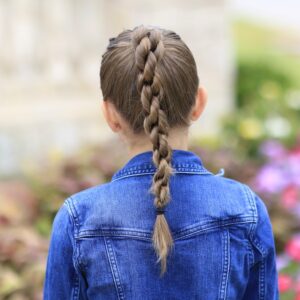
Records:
x=263, y=277
x=61, y=279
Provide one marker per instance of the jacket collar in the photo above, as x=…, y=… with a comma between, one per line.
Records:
x=183, y=161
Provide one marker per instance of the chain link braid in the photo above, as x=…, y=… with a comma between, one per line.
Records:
x=149, y=74
x=148, y=52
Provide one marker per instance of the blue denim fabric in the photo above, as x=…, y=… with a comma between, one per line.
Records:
x=223, y=241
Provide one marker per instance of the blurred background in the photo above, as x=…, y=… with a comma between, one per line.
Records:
x=54, y=142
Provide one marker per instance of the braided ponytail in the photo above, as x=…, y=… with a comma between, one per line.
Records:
x=150, y=75
x=149, y=49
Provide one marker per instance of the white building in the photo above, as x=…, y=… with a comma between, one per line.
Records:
x=49, y=68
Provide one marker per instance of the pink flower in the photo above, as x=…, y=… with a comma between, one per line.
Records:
x=290, y=196
x=285, y=282
x=293, y=248
x=282, y=260
x=297, y=288
x=271, y=179
x=273, y=149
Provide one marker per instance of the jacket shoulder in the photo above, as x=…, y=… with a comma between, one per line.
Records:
x=237, y=197
x=82, y=203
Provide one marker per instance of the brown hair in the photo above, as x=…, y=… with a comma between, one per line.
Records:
x=150, y=75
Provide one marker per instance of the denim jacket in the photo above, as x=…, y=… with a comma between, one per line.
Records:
x=101, y=245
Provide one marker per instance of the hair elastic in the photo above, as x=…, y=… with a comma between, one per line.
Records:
x=160, y=211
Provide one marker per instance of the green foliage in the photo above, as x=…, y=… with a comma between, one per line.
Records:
x=260, y=84
x=268, y=108
x=267, y=92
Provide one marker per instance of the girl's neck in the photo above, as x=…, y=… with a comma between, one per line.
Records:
x=178, y=139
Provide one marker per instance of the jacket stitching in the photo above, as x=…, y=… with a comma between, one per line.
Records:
x=76, y=289
x=251, y=201
x=250, y=198
x=226, y=264
x=114, y=268
x=148, y=235
x=209, y=223
x=76, y=265
x=257, y=244
x=254, y=240
x=151, y=172
x=196, y=232
x=180, y=233
x=250, y=254
x=188, y=229
x=147, y=167
x=73, y=213
x=262, y=281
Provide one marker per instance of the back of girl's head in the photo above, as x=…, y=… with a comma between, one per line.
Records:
x=150, y=76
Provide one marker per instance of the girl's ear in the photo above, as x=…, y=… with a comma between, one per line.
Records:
x=110, y=115
x=200, y=103
x=103, y=109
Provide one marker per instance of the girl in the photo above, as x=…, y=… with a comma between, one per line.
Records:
x=163, y=206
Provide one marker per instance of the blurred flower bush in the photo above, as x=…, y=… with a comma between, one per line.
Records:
x=268, y=104
x=278, y=179
x=257, y=146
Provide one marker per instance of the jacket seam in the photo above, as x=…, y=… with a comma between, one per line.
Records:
x=73, y=213
x=147, y=235
x=255, y=243
x=250, y=252
x=252, y=238
x=261, y=275
x=248, y=195
x=226, y=264
x=151, y=167
x=114, y=268
x=250, y=233
x=258, y=245
x=74, y=216
x=189, y=171
x=74, y=260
